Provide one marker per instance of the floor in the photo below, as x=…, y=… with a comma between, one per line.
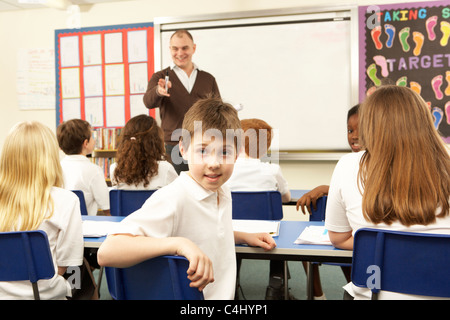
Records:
x=255, y=277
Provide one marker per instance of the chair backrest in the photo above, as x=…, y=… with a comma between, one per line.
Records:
x=319, y=213
x=25, y=255
x=257, y=205
x=160, y=278
x=403, y=262
x=80, y=195
x=124, y=202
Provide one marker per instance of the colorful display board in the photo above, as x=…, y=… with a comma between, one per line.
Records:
x=408, y=44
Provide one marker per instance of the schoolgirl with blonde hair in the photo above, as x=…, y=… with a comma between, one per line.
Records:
x=29, y=168
x=32, y=198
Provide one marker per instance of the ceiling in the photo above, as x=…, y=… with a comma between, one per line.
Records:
x=12, y=5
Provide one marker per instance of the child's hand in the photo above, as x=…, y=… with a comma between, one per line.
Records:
x=200, y=271
x=263, y=240
x=309, y=199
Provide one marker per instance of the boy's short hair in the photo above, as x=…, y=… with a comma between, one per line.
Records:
x=257, y=137
x=71, y=135
x=212, y=114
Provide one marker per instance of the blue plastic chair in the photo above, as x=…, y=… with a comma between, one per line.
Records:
x=25, y=255
x=318, y=214
x=410, y=263
x=124, y=202
x=161, y=278
x=80, y=195
x=257, y=205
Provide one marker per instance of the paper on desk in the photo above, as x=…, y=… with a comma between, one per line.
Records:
x=314, y=235
x=256, y=226
x=97, y=229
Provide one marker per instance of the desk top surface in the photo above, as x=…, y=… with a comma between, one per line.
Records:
x=289, y=231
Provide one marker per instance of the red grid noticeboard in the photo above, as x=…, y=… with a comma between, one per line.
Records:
x=102, y=73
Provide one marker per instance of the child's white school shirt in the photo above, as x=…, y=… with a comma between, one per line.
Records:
x=81, y=174
x=254, y=175
x=65, y=236
x=166, y=174
x=185, y=209
x=344, y=213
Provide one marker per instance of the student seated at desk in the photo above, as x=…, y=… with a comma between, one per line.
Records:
x=401, y=181
x=140, y=163
x=75, y=139
x=32, y=198
x=309, y=199
x=251, y=174
x=191, y=217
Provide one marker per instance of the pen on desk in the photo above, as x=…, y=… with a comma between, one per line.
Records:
x=167, y=80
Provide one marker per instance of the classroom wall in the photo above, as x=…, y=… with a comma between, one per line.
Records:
x=31, y=29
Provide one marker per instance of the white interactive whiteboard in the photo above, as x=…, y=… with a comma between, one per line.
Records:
x=295, y=71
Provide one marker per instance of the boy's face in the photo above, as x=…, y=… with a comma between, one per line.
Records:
x=352, y=133
x=211, y=161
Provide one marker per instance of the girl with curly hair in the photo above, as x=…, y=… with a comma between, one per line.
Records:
x=140, y=162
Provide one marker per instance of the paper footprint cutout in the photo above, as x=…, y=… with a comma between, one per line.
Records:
x=445, y=28
x=402, y=82
x=428, y=103
x=436, y=84
x=403, y=36
x=415, y=86
x=372, y=73
x=375, y=33
x=437, y=115
x=418, y=39
x=371, y=90
x=430, y=24
x=447, y=111
x=381, y=61
x=390, y=31
x=447, y=78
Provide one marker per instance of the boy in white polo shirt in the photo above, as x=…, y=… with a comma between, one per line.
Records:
x=191, y=217
x=75, y=139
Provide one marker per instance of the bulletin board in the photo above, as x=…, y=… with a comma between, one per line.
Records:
x=102, y=73
x=408, y=44
x=293, y=68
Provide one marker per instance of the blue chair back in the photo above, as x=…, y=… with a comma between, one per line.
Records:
x=257, y=205
x=124, y=202
x=160, y=278
x=83, y=208
x=410, y=263
x=25, y=255
x=319, y=213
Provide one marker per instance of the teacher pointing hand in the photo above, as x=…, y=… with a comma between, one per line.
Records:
x=175, y=89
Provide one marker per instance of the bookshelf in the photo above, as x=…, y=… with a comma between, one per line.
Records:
x=104, y=154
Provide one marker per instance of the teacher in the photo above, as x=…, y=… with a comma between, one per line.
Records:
x=187, y=84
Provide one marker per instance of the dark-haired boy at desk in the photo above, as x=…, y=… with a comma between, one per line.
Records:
x=76, y=141
x=191, y=217
x=251, y=174
x=309, y=199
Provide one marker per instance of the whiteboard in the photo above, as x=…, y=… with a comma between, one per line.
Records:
x=292, y=71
